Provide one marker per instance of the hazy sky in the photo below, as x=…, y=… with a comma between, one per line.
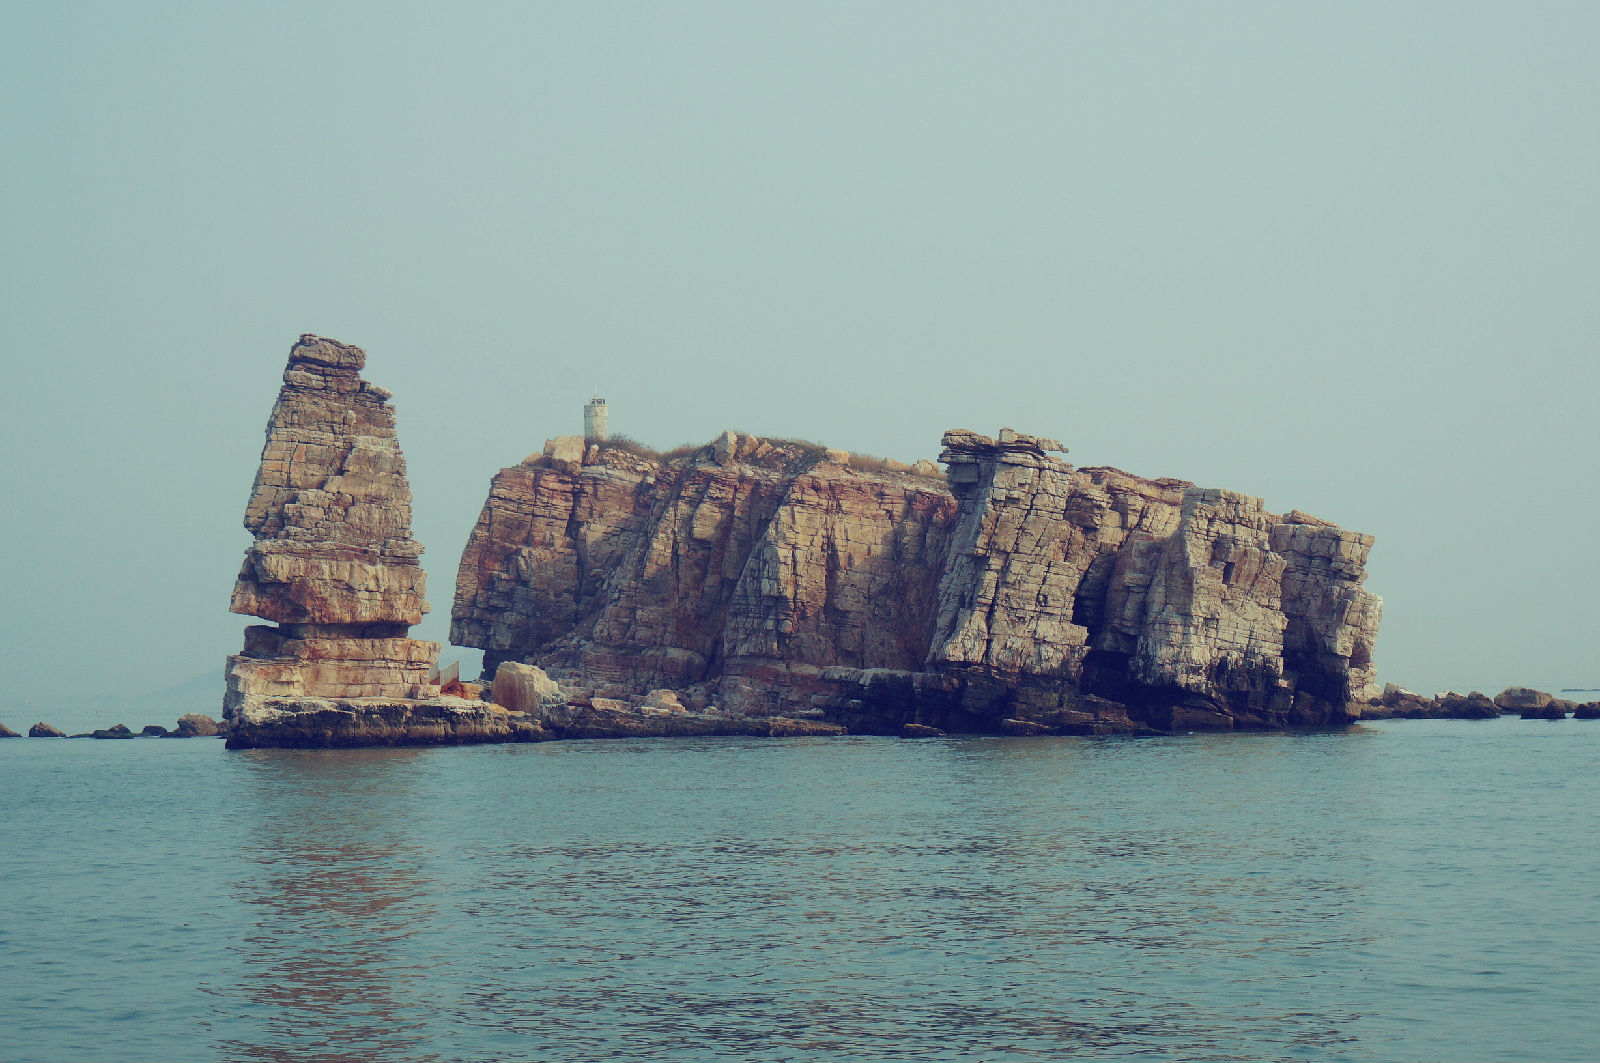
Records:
x=1343, y=257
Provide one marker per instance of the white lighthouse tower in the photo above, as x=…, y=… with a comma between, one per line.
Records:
x=594, y=420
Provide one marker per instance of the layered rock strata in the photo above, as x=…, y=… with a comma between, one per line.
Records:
x=335, y=568
x=1016, y=594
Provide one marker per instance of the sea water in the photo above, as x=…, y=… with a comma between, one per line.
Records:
x=1395, y=891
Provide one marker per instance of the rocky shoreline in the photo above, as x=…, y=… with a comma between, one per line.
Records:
x=1401, y=704
x=546, y=712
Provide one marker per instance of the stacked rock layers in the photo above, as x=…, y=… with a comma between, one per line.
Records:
x=334, y=566
x=1023, y=596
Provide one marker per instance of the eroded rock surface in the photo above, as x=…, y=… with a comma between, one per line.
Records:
x=1016, y=594
x=336, y=570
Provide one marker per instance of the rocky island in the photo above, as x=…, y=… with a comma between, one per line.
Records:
x=765, y=586
x=1013, y=594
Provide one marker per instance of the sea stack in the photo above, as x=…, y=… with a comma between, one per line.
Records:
x=334, y=567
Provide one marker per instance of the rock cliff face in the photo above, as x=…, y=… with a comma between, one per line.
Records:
x=334, y=566
x=1016, y=594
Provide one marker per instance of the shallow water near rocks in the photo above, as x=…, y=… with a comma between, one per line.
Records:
x=1405, y=890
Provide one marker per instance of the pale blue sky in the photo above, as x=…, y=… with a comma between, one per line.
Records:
x=1340, y=256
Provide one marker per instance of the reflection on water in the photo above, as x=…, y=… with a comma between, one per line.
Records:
x=1408, y=891
x=337, y=889
x=933, y=910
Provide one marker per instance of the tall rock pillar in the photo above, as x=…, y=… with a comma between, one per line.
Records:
x=333, y=564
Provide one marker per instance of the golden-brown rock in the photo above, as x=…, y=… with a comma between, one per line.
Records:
x=1020, y=595
x=335, y=567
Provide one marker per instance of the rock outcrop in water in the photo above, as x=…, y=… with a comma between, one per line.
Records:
x=1399, y=703
x=335, y=568
x=1017, y=594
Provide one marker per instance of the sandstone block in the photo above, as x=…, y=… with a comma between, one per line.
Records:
x=525, y=688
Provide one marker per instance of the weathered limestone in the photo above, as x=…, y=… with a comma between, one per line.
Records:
x=1024, y=596
x=334, y=566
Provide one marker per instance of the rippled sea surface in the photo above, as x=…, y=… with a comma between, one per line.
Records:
x=1400, y=891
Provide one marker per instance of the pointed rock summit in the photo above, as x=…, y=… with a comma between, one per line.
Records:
x=331, y=510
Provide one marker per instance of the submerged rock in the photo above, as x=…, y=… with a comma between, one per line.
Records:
x=1549, y=711
x=44, y=730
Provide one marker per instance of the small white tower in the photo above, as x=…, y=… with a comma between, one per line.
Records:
x=594, y=420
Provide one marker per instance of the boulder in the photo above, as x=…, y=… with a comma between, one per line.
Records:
x=1520, y=699
x=664, y=700
x=565, y=453
x=153, y=730
x=917, y=730
x=725, y=448
x=195, y=725
x=119, y=730
x=525, y=688
x=44, y=730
